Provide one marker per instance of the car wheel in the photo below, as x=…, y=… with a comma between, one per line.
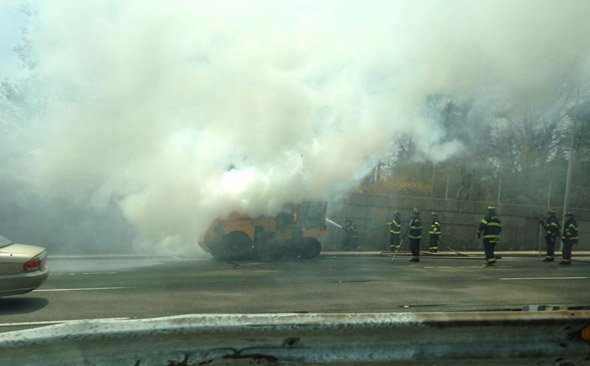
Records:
x=311, y=248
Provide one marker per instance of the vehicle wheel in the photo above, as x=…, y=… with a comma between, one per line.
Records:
x=311, y=248
x=236, y=245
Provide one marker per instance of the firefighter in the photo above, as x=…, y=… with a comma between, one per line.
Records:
x=569, y=237
x=415, y=235
x=351, y=236
x=490, y=228
x=434, y=233
x=395, y=231
x=551, y=227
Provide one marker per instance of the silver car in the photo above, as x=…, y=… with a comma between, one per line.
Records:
x=22, y=267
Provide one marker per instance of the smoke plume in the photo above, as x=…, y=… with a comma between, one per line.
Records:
x=176, y=112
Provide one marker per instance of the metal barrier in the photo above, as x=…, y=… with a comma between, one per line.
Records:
x=552, y=337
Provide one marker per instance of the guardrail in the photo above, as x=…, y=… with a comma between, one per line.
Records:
x=553, y=338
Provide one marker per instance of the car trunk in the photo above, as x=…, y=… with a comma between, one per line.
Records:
x=13, y=256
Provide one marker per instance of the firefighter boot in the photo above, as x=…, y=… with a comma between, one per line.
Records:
x=489, y=263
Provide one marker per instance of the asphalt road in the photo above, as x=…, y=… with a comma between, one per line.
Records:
x=91, y=288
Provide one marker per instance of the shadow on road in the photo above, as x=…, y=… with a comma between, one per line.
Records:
x=21, y=305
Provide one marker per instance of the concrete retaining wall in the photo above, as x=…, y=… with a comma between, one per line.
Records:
x=459, y=219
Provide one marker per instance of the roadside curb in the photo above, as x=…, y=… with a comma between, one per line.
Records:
x=446, y=254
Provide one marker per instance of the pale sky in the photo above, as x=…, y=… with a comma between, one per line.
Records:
x=11, y=23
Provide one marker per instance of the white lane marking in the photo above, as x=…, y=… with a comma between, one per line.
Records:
x=47, y=322
x=53, y=274
x=81, y=289
x=446, y=267
x=543, y=278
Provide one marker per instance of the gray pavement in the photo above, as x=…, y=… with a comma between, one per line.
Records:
x=142, y=287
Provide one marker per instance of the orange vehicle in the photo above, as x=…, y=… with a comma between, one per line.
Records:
x=293, y=232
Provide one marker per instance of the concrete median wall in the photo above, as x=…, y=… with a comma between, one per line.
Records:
x=521, y=230
x=454, y=338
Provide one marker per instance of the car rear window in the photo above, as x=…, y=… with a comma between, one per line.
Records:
x=4, y=241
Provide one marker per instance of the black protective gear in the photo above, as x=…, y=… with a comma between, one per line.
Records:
x=415, y=228
x=435, y=234
x=490, y=228
x=569, y=238
x=552, y=228
x=395, y=232
x=351, y=236
x=415, y=249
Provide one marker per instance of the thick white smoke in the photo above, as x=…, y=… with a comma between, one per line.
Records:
x=181, y=111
